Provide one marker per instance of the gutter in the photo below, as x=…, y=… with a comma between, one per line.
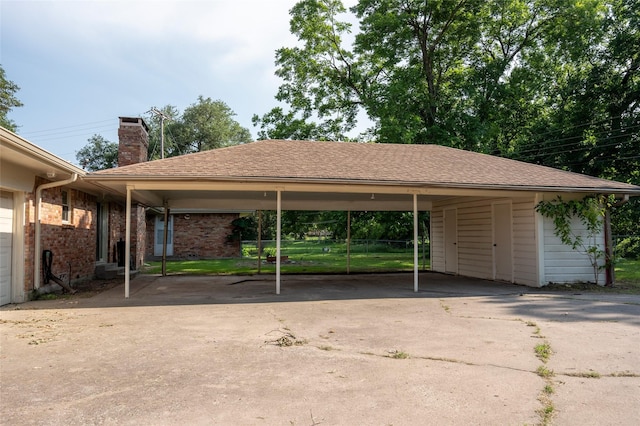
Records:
x=37, y=261
x=98, y=179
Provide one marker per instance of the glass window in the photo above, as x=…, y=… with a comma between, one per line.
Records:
x=66, y=217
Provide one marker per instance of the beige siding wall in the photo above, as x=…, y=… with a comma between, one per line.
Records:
x=562, y=264
x=525, y=252
x=436, y=246
x=475, y=238
x=475, y=241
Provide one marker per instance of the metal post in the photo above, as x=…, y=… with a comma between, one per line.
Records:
x=415, y=243
x=348, y=241
x=259, y=240
x=278, y=238
x=165, y=239
x=127, y=244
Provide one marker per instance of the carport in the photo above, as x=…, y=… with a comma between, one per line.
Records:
x=308, y=175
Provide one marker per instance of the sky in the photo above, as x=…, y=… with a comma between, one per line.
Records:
x=82, y=64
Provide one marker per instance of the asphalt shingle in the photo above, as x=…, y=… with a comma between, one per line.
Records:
x=360, y=162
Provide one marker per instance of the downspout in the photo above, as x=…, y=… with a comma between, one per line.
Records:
x=38, y=200
x=610, y=269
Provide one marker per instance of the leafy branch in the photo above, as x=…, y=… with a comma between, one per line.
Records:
x=590, y=211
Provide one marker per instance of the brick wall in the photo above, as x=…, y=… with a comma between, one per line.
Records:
x=198, y=235
x=73, y=244
x=116, y=229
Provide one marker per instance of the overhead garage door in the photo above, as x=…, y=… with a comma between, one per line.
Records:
x=6, y=241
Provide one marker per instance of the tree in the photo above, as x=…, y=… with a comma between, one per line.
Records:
x=205, y=125
x=543, y=81
x=98, y=154
x=465, y=73
x=8, y=101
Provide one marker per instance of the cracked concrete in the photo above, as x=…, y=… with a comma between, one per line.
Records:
x=364, y=349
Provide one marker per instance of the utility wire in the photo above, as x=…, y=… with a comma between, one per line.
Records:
x=57, y=129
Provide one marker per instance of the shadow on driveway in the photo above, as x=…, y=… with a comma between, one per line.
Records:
x=520, y=301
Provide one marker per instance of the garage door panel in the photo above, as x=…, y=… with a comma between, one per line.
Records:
x=6, y=244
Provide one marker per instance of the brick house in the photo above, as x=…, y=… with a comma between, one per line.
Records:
x=45, y=204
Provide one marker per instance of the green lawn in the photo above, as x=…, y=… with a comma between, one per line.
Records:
x=330, y=257
x=628, y=272
x=305, y=257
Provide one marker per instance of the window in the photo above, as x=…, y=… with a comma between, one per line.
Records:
x=66, y=216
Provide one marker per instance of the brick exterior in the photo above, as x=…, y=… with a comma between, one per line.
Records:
x=133, y=141
x=73, y=244
x=198, y=236
x=117, y=229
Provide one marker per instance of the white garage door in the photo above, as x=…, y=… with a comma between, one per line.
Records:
x=6, y=239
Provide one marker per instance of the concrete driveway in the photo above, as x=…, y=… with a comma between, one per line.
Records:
x=331, y=350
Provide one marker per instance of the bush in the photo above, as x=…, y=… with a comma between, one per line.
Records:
x=629, y=248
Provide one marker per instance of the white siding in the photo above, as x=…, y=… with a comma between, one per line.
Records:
x=562, y=264
x=436, y=243
x=6, y=246
x=475, y=238
x=525, y=251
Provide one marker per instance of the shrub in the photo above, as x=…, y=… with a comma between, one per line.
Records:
x=629, y=248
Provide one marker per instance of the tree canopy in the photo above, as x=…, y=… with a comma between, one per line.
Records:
x=8, y=101
x=204, y=125
x=98, y=154
x=550, y=82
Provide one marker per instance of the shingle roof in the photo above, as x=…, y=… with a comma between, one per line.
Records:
x=311, y=161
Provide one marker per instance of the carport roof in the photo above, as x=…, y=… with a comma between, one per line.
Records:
x=342, y=162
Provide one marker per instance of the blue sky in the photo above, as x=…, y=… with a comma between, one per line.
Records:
x=82, y=64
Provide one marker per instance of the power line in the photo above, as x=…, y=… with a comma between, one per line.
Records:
x=56, y=129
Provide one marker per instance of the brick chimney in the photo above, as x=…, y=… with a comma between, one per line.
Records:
x=133, y=135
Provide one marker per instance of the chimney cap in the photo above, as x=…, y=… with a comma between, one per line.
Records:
x=133, y=121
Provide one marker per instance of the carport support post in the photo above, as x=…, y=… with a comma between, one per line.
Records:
x=415, y=243
x=127, y=244
x=259, y=240
x=348, y=241
x=278, y=237
x=165, y=237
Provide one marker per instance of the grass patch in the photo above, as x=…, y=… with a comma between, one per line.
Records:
x=586, y=374
x=303, y=257
x=399, y=355
x=543, y=351
x=546, y=412
x=628, y=275
x=446, y=308
x=624, y=374
x=544, y=372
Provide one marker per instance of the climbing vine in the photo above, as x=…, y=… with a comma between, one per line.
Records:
x=590, y=211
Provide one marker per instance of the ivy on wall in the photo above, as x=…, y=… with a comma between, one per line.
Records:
x=590, y=211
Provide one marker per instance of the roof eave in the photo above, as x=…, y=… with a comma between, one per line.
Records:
x=131, y=179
